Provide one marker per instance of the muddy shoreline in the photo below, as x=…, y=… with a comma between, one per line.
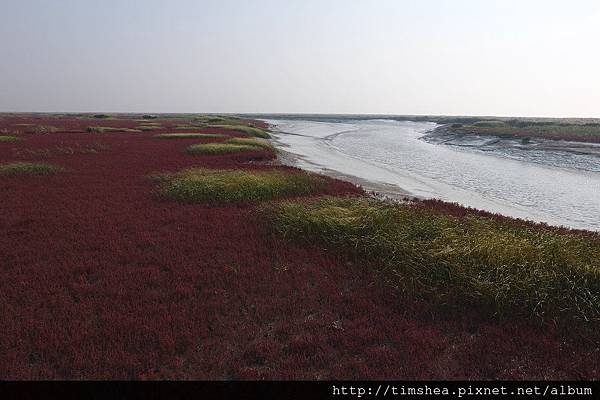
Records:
x=379, y=190
x=444, y=135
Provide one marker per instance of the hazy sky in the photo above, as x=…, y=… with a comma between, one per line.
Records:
x=525, y=58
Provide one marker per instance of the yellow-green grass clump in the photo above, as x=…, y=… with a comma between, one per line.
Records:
x=27, y=168
x=236, y=186
x=506, y=268
x=217, y=119
x=251, y=142
x=145, y=128
x=8, y=139
x=249, y=130
x=105, y=129
x=216, y=149
x=188, y=127
x=189, y=136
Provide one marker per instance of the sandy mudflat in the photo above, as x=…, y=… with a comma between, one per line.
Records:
x=378, y=190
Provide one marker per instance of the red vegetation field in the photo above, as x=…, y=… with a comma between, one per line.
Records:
x=100, y=278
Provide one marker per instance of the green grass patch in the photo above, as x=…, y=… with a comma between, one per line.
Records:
x=251, y=142
x=148, y=123
x=189, y=136
x=217, y=119
x=510, y=269
x=490, y=124
x=26, y=168
x=249, y=130
x=214, y=149
x=145, y=128
x=106, y=129
x=236, y=186
x=9, y=139
x=188, y=127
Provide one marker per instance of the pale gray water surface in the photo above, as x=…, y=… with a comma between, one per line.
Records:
x=392, y=152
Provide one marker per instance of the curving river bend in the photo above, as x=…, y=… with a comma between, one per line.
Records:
x=533, y=186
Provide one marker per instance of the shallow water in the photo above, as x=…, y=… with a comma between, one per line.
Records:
x=383, y=151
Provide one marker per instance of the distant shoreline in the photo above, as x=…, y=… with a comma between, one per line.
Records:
x=445, y=134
